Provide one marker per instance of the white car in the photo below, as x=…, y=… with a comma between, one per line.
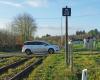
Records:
x=35, y=47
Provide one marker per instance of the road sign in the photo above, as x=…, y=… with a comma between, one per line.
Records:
x=66, y=11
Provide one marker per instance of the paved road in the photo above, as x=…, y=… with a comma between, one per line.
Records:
x=21, y=54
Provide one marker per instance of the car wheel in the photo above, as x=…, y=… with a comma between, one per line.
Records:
x=28, y=51
x=51, y=51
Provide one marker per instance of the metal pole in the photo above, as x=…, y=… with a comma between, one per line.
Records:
x=66, y=12
x=66, y=41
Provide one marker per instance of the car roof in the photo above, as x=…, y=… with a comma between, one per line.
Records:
x=36, y=41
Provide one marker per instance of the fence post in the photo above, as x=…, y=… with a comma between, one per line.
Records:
x=70, y=54
x=84, y=74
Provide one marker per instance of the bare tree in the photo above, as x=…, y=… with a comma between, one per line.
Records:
x=6, y=40
x=24, y=26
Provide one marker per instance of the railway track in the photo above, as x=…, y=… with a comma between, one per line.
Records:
x=5, y=57
x=15, y=64
x=26, y=71
x=26, y=65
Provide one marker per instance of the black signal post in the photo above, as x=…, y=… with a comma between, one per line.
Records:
x=66, y=12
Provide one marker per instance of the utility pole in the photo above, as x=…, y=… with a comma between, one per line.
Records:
x=66, y=12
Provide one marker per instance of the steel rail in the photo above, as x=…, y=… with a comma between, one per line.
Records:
x=28, y=69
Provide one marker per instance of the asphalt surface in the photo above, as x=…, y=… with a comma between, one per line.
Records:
x=21, y=54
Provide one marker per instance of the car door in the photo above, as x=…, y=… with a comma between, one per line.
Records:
x=34, y=47
x=43, y=47
x=37, y=47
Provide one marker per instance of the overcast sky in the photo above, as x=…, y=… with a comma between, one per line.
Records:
x=48, y=13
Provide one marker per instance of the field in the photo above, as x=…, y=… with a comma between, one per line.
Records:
x=53, y=66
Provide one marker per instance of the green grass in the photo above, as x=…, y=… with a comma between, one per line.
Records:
x=54, y=68
x=80, y=47
x=90, y=62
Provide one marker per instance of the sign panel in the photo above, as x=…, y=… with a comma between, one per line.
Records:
x=66, y=11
